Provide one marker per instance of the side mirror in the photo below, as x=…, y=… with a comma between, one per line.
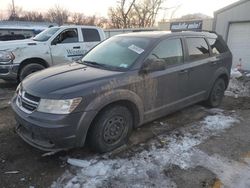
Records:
x=151, y=65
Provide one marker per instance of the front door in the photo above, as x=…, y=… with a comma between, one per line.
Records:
x=66, y=47
x=165, y=89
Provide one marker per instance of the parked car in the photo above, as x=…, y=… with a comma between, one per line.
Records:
x=12, y=37
x=55, y=45
x=119, y=85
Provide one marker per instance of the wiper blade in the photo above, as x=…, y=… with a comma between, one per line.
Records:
x=95, y=64
x=100, y=65
x=91, y=63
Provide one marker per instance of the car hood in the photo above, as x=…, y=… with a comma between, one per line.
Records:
x=57, y=81
x=13, y=44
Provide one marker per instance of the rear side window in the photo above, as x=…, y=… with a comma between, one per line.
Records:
x=197, y=48
x=216, y=46
x=90, y=35
x=169, y=51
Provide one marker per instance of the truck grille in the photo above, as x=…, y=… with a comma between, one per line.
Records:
x=27, y=102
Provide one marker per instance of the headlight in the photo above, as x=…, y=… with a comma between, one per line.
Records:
x=6, y=57
x=58, y=106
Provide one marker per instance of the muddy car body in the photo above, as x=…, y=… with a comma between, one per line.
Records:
x=122, y=83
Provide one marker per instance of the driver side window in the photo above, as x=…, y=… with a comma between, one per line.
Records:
x=68, y=36
x=169, y=51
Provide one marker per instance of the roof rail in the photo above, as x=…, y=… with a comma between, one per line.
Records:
x=197, y=30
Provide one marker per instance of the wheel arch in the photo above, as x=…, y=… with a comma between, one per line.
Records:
x=223, y=73
x=119, y=97
x=32, y=60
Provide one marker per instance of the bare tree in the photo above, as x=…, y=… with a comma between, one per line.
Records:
x=58, y=15
x=33, y=16
x=147, y=11
x=81, y=19
x=119, y=15
x=14, y=12
x=135, y=13
x=102, y=22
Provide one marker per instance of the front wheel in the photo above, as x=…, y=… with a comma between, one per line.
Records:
x=217, y=93
x=111, y=129
x=29, y=69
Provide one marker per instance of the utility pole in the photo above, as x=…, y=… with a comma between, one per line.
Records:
x=13, y=14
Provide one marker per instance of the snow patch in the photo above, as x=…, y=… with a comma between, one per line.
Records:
x=238, y=88
x=146, y=169
x=78, y=163
x=218, y=122
x=235, y=73
x=231, y=173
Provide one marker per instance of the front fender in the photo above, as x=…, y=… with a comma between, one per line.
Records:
x=23, y=53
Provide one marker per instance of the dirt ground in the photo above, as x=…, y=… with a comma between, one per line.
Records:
x=24, y=166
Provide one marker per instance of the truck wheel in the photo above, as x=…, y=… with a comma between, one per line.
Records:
x=217, y=93
x=111, y=129
x=29, y=69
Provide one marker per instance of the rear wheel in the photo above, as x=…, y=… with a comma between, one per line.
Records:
x=217, y=93
x=111, y=129
x=29, y=69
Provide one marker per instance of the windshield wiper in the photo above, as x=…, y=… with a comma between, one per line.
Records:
x=94, y=64
x=100, y=65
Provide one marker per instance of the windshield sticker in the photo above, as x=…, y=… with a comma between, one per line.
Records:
x=136, y=49
x=123, y=65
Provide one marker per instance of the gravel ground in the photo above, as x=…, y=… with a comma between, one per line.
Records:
x=190, y=148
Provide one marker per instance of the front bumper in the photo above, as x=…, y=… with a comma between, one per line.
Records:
x=8, y=72
x=49, y=132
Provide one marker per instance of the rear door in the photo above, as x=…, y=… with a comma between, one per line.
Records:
x=66, y=47
x=200, y=66
x=91, y=37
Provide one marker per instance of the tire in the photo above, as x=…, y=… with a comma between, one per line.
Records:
x=217, y=93
x=29, y=69
x=111, y=129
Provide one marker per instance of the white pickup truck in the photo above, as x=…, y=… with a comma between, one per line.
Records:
x=55, y=45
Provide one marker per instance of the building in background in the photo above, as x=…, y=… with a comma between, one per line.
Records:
x=233, y=23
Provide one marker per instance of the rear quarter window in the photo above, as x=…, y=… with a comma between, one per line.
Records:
x=197, y=48
x=217, y=46
x=90, y=35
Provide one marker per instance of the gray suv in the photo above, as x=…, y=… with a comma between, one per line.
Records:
x=119, y=85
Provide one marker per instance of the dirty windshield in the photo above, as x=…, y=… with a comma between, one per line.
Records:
x=45, y=35
x=117, y=52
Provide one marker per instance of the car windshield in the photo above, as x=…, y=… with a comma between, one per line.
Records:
x=117, y=52
x=46, y=34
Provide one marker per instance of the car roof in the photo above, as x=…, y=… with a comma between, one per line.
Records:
x=161, y=34
x=78, y=26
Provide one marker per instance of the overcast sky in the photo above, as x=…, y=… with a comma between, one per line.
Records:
x=100, y=7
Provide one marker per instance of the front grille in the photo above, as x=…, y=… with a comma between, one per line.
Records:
x=31, y=97
x=27, y=102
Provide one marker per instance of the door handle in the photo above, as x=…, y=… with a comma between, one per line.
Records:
x=185, y=71
x=76, y=47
